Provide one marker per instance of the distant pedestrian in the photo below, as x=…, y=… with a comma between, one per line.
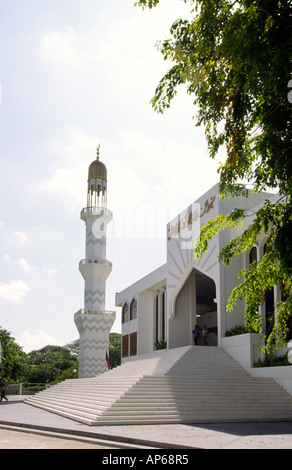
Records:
x=3, y=392
x=205, y=334
x=196, y=334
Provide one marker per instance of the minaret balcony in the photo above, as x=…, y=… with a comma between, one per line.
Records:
x=95, y=268
x=96, y=211
x=84, y=311
x=95, y=261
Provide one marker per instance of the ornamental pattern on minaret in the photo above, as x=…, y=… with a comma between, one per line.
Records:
x=93, y=321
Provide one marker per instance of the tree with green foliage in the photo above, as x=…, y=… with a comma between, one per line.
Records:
x=43, y=373
x=115, y=349
x=51, y=354
x=52, y=363
x=56, y=363
x=234, y=57
x=73, y=347
x=14, y=363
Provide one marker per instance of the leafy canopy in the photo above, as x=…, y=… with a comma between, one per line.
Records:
x=235, y=59
x=14, y=363
x=52, y=363
x=50, y=354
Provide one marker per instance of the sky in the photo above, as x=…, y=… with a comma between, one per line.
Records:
x=75, y=74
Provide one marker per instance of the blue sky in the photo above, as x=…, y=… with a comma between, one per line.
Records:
x=74, y=74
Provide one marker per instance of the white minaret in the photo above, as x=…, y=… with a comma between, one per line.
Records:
x=94, y=322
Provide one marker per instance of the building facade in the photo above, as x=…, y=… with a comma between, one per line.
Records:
x=166, y=304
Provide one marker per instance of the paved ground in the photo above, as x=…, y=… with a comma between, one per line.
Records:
x=24, y=440
x=23, y=426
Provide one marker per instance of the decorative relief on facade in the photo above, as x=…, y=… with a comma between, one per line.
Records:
x=189, y=217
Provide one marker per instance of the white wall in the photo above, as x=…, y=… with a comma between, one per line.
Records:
x=245, y=349
x=145, y=316
x=182, y=323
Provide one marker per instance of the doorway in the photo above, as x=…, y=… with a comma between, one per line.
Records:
x=194, y=304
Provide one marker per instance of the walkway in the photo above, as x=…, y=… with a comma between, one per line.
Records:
x=56, y=432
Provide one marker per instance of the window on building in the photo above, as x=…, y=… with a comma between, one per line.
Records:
x=163, y=316
x=133, y=344
x=125, y=346
x=129, y=345
x=269, y=306
x=125, y=313
x=253, y=256
x=269, y=310
x=133, y=309
x=157, y=318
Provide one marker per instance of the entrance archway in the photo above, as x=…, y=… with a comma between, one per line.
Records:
x=194, y=304
x=206, y=307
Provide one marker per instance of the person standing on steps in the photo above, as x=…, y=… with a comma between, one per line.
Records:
x=196, y=334
x=205, y=334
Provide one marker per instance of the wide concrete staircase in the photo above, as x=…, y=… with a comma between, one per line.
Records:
x=183, y=385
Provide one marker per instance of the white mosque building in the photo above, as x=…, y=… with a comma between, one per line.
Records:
x=165, y=305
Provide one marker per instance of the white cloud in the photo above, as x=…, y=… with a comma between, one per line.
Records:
x=31, y=341
x=48, y=270
x=21, y=236
x=26, y=267
x=58, y=49
x=14, y=292
x=78, y=145
x=76, y=150
x=68, y=182
x=154, y=170
x=62, y=69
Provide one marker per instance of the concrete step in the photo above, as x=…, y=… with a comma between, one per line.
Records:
x=188, y=385
x=223, y=418
x=90, y=411
x=143, y=401
x=206, y=361
x=79, y=417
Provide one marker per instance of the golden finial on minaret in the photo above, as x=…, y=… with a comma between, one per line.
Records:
x=97, y=151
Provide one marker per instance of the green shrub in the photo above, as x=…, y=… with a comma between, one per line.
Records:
x=237, y=330
x=160, y=344
x=273, y=361
x=33, y=387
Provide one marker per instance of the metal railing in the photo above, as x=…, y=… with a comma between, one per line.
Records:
x=96, y=209
x=95, y=261
x=95, y=312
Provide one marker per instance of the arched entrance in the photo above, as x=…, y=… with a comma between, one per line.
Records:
x=193, y=304
x=206, y=311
